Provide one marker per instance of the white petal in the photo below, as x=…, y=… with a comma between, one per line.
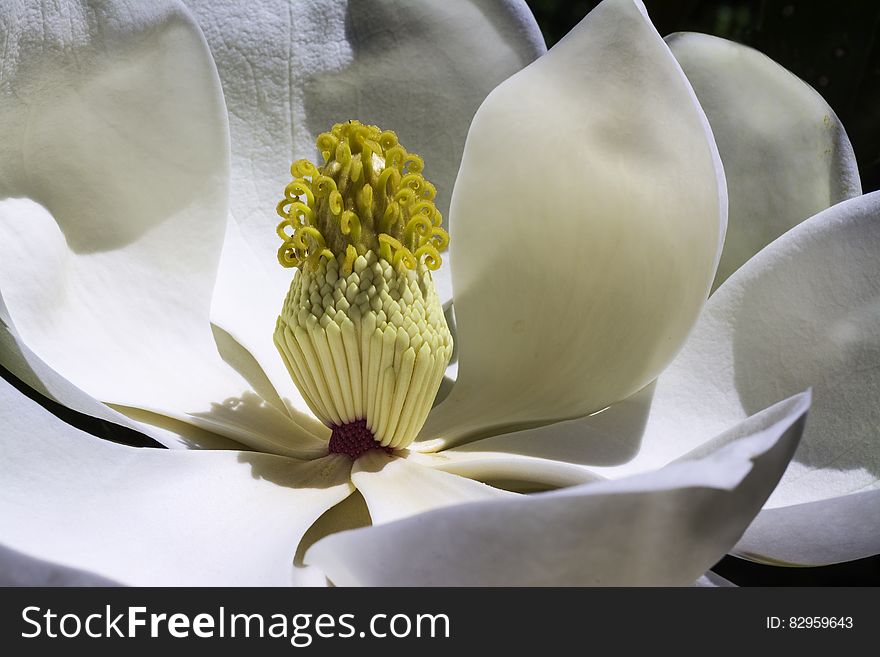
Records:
x=816, y=533
x=522, y=473
x=34, y=373
x=291, y=70
x=397, y=488
x=114, y=159
x=587, y=217
x=246, y=305
x=663, y=528
x=786, y=155
x=804, y=312
x=611, y=437
x=152, y=516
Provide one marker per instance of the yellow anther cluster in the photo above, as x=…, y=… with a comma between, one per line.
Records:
x=370, y=195
x=369, y=344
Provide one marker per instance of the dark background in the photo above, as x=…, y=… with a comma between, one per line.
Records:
x=834, y=47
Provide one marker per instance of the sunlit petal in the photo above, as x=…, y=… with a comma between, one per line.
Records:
x=155, y=516
x=587, y=218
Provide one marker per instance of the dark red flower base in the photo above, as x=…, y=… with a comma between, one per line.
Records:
x=353, y=439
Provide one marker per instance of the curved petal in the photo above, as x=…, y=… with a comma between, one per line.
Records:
x=114, y=168
x=510, y=471
x=804, y=312
x=786, y=155
x=663, y=528
x=396, y=488
x=23, y=364
x=817, y=533
x=155, y=517
x=291, y=70
x=589, y=278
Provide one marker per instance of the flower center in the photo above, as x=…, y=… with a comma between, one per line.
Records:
x=361, y=330
x=353, y=439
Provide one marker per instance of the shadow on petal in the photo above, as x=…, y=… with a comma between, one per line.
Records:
x=610, y=437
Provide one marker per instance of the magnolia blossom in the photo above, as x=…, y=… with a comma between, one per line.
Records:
x=601, y=424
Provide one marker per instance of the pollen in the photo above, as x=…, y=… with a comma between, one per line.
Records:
x=362, y=330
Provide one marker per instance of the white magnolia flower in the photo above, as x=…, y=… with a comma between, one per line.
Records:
x=137, y=267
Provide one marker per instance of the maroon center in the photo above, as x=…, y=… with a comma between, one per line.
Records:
x=353, y=439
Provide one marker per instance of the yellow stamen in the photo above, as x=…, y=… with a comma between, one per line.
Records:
x=369, y=173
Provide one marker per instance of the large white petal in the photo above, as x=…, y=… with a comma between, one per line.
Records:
x=815, y=533
x=515, y=471
x=588, y=217
x=804, y=312
x=27, y=367
x=397, y=488
x=786, y=155
x=155, y=516
x=290, y=70
x=114, y=178
x=662, y=528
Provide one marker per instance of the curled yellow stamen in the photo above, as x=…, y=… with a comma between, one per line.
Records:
x=343, y=153
x=324, y=185
x=387, y=140
x=392, y=174
x=349, y=224
x=287, y=255
x=298, y=211
x=303, y=169
x=335, y=202
x=370, y=195
x=299, y=188
x=398, y=252
x=413, y=181
x=326, y=144
x=423, y=207
x=431, y=255
x=299, y=240
x=390, y=217
x=413, y=163
x=365, y=200
x=406, y=257
x=350, y=256
x=357, y=169
x=440, y=238
x=394, y=157
x=282, y=233
x=419, y=225
x=428, y=190
x=405, y=196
